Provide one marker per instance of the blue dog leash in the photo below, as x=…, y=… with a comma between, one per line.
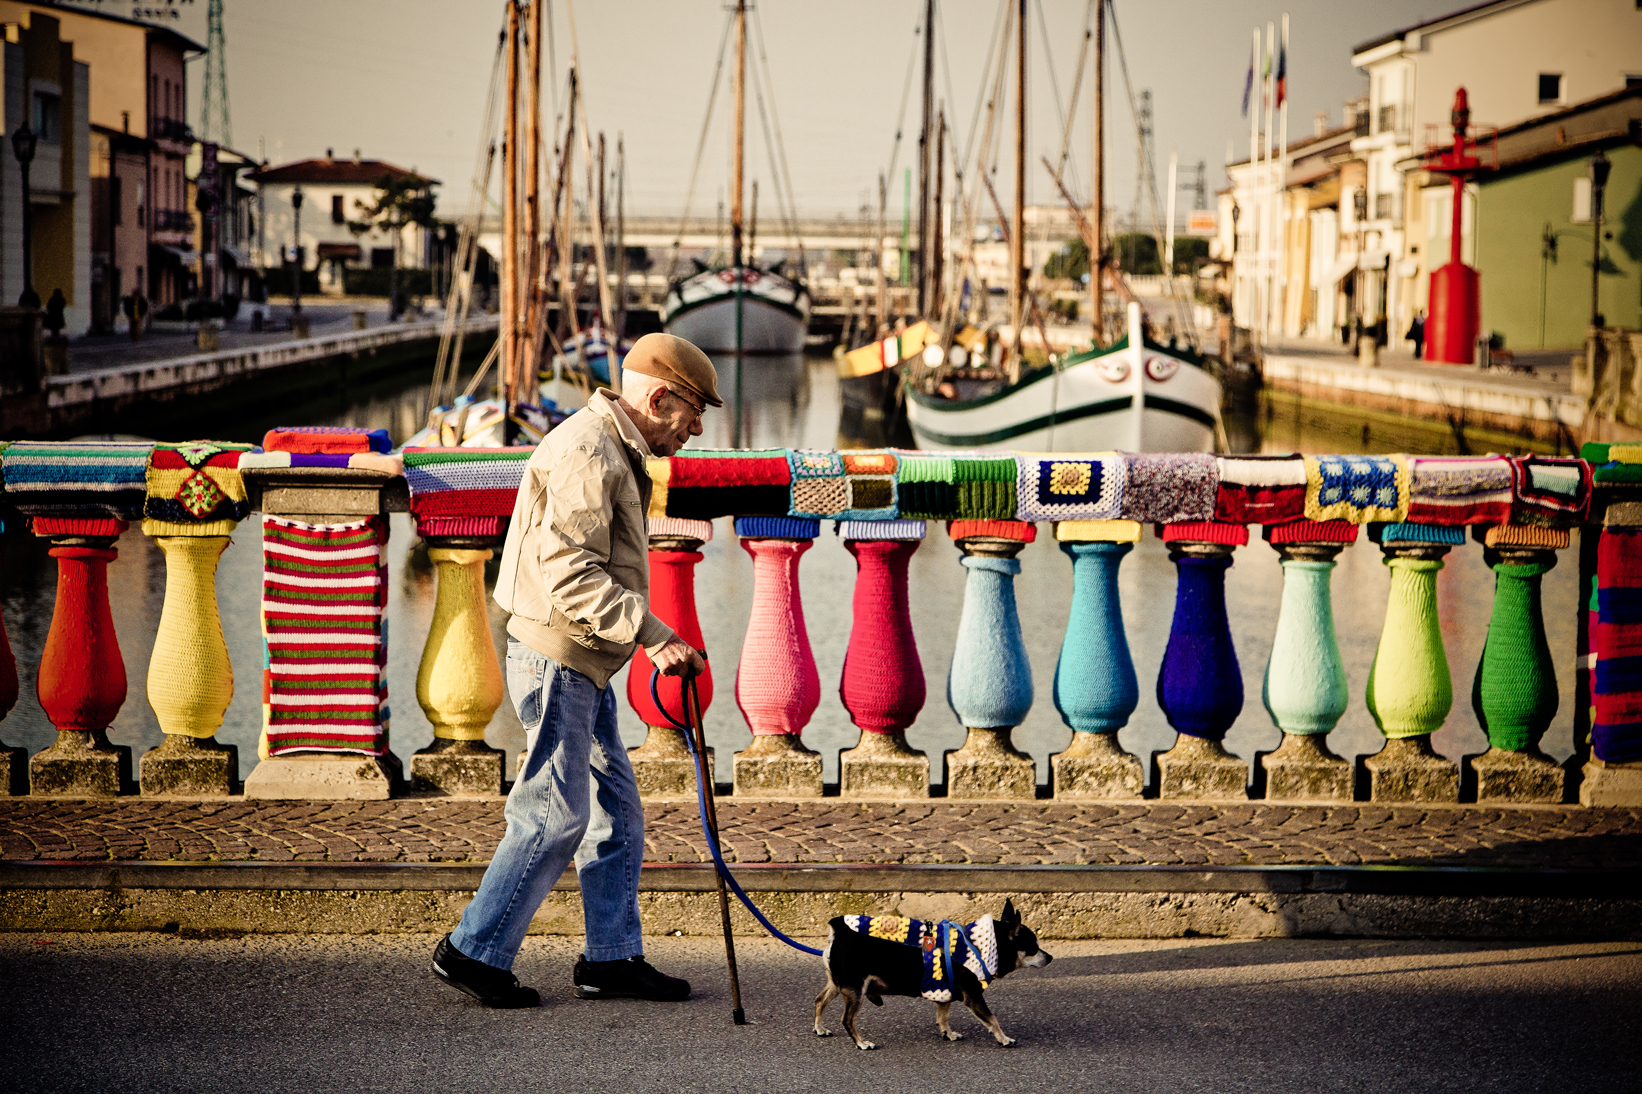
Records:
x=945, y=930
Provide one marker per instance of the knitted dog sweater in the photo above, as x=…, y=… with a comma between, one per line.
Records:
x=937, y=985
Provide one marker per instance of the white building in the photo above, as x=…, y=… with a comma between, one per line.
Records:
x=332, y=193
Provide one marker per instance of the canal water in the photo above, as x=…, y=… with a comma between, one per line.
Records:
x=796, y=402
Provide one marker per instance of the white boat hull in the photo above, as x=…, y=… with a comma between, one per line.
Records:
x=774, y=313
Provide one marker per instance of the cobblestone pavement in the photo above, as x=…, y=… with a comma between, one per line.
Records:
x=830, y=830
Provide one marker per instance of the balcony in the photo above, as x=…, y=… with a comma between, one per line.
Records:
x=173, y=220
x=174, y=130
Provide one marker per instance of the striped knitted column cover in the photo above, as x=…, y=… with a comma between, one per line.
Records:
x=463, y=491
x=77, y=488
x=1616, y=676
x=324, y=439
x=704, y=484
x=325, y=636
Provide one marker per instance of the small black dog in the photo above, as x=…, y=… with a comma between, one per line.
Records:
x=875, y=956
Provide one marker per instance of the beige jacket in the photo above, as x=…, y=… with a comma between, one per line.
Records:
x=576, y=568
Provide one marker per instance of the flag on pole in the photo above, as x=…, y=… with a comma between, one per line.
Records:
x=1248, y=83
x=1265, y=78
x=1282, y=73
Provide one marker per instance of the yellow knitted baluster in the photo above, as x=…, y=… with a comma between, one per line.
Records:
x=1409, y=691
x=460, y=681
x=190, y=681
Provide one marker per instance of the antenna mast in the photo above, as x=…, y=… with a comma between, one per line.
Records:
x=214, y=123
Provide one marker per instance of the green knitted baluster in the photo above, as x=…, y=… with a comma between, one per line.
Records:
x=1515, y=693
x=1409, y=690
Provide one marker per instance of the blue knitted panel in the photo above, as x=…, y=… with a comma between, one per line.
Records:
x=1422, y=533
x=777, y=528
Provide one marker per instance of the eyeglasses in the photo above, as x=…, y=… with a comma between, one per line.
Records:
x=700, y=410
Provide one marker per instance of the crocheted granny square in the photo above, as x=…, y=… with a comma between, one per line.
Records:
x=870, y=463
x=814, y=464
x=819, y=497
x=1068, y=487
x=1361, y=489
x=199, y=495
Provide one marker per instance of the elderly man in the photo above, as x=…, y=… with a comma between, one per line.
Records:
x=575, y=575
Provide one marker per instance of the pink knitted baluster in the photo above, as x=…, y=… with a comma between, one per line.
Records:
x=673, y=599
x=883, y=681
x=776, y=684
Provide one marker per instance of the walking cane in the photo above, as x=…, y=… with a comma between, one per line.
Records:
x=704, y=789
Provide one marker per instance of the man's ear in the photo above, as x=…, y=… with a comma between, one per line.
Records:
x=652, y=400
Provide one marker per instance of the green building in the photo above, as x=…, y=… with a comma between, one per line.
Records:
x=1533, y=225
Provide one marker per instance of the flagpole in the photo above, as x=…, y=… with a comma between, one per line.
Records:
x=1283, y=179
x=1254, y=185
x=1265, y=198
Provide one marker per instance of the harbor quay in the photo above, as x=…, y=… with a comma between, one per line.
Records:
x=1296, y=842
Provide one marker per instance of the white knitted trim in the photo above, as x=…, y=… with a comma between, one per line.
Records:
x=881, y=529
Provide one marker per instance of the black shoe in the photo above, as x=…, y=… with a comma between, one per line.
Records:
x=632, y=978
x=493, y=987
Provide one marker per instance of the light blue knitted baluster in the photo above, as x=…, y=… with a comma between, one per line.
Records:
x=1305, y=689
x=990, y=682
x=1095, y=686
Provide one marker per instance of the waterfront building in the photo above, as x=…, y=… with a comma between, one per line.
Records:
x=229, y=243
x=332, y=192
x=42, y=83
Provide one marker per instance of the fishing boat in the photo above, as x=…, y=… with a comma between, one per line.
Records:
x=739, y=306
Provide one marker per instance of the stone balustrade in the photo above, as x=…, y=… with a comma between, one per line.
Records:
x=325, y=706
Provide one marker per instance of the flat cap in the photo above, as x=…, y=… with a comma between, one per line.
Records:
x=676, y=361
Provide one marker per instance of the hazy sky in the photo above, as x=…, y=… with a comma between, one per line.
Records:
x=405, y=81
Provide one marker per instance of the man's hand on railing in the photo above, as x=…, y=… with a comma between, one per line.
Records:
x=679, y=658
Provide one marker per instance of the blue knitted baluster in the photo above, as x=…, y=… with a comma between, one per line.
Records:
x=1095, y=686
x=1199, y=685
x=990, y=682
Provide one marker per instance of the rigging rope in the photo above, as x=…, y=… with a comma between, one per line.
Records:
x=701, y=144
x=780, y=145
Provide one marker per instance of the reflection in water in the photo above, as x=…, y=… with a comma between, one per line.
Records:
x=794, y=402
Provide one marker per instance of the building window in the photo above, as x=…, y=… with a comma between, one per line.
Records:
x=1388, y=119
x=1383, y=206
x=338, y=216
x=47, y=122
x=1550, y=87
x=1582, y=200
x=114, y=198
x=381, y=258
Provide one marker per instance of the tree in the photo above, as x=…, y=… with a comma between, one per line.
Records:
x=1187, y=250
x=1071, y=261
x=1136, y=254
x=400, y=201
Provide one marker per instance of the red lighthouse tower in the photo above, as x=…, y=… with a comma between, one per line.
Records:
x=1456, y=294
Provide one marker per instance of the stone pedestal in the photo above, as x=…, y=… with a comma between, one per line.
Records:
x=1407, y=769
x=81, y=764
x=990, y=766
x=458, y=768
x=1501, y=776
x=881, y=765
x=777, y=765
x=662, y=766
x=14, y=771
x=1302, y=769
x=321, y=776
x=13, y=761
x=1199, y=768
x=185, y=766
x=1094, y=767
x=1605, y=784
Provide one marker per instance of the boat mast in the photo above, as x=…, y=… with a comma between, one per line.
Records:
x=924, y=150
x=509, y=371
x=1097, y=192
x=621, y=244
x=1017, y=238
x=528, y=363
x=738, y=92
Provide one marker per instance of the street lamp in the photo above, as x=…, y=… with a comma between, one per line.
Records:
x=1599, y=179
x=296, y=253
x=22, y=144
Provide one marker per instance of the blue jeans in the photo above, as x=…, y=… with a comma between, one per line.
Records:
x=575, y=798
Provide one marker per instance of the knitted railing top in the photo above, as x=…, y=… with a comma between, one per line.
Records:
x=195, y=489
x=77, y=479
x=463, y=491
x=330, y=440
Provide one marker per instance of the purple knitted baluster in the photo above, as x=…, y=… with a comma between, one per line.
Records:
x=1199, y=685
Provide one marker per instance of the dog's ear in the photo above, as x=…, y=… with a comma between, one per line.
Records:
x=1010, y=915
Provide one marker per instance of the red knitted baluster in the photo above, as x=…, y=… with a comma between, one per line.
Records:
x=82, y=675
x=883, y=682
x=673, y=599
x=776, y=684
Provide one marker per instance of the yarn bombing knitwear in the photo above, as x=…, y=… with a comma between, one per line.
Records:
x=842, y=485
x=1169, y=488
x=464, y=491
x=925, y=485
x=1459, y=490
x=1260, y=489
x=1613, y=462
x=1069, y=487
x=984, y=487
x=1550, y=492
x=1616, y=647
x=325, y=439
x=1361, y=489
x=195, y=489
x=937, y=984
x=324, y=591
x=76, y=481
x=708, y=483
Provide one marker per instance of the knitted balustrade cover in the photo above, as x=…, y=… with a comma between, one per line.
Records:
x=1616, y=647
x=998, y=529
x=1260, y=489
x=326, y=440
x=1098, y=531
x=1199, y=684
x=75, y=487
x=776, y=528
x=843, y=485
x=1613, y=463
x=881, y=529
x=463, y=491
x=1459, y=489
x=324, y=591
x=1411, y=533
x=195, y=489
x=1311, y=531
x=1203, y=531
x=1073, y=486
x=985, y=486
x=1552, y=492
x=709, y=483
x=8, y=515
x=1526, y=535
x=777, y=687
x=882, y=685
x=1514, y=692
x=1167, y=488
x=1360, y=489
x=925, y=485
x=679, y=528
x=356, y=461
x=982, y=935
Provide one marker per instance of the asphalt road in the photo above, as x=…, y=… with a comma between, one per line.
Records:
x=140, y=1012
